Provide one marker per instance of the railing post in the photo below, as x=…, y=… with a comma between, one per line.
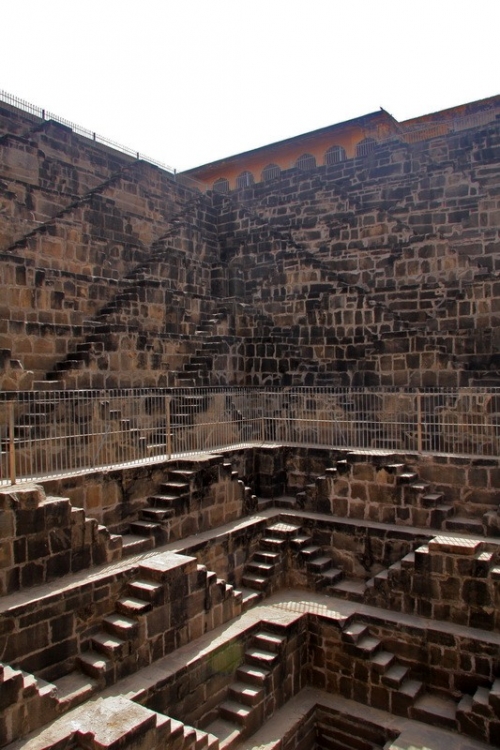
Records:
x=12, y=447
x=419, y=421
x=169, y=432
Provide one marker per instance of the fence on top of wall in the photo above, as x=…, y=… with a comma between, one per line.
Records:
x=46, y=434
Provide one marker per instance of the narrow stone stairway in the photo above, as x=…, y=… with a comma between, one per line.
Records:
x=263, y=571
x=113, y=651
x=250, y=699
x=319, y=567
x=400, y=689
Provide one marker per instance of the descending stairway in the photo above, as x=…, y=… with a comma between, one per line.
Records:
x=394, y=678
x=263, y=571
x=252, y=698
x=392, y=493
x=320, y=569
x=127, y=639
x=180, y=497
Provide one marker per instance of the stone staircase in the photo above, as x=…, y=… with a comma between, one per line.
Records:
x=141, y=628
x=255, y=694
x=25, y=701
x=309, y=559
x=263, y=573
x=286, y=549
x=378, y=487
x=453, y=578
x=182, y=496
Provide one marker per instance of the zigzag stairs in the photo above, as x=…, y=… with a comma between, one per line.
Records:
x=119, y=647
x=372, y=299
x=254, y=696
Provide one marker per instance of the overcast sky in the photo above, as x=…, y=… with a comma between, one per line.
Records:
x=191, y=81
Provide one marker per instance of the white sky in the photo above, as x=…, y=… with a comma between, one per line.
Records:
x=190, y=81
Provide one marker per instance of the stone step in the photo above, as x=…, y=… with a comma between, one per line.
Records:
x=73, y=689
x=132, y=607
x=481, y=702
x=494, y=696
x=272, y=544
x=395, y=676
x=259, y=658
x=252, y=674
x=435, y=710
x=260, y=569
x=366, y=646
x=407, y=477
x=431, y=499
x=248, y=695
x=283, y=530
x=408, y=561
x=381, y=661
x=237, y=713
x=175, y=488
x=163, y=500
x=419, y=486
x=133, y=544
x=353, y=632
x=465, y=525
x=270, y=558
x=145, y=529
x=95, y=665
x=229, y=734
x=157, y=515
x=311, y=552
x=204, y=741
x=181, y=476
x=36, y=686
x=404, y=698
x=252, y=581
x=320, y=564
x=249, y=597
x=440, y=514
x=331, y=577
x=383, y=576
x=269, y=641
x=349, y=588
x=189, y=738
x=110, y=646
x=121, y=626
x=149, y=591
x=300, y=541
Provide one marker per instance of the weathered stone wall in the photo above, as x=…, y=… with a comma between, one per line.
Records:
x=374, y=271
x=375, y=264
x=43, y=538
x=95, y=243
x=445, y=660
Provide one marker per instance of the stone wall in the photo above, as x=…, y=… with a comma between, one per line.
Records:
x=374, y=271
x=373, y=263
x=43, y=538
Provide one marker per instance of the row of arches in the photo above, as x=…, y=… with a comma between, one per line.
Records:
x=305, y=162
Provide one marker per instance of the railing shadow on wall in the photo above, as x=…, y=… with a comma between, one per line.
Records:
x=46, y=434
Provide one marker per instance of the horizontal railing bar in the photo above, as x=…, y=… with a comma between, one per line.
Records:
x=60, y=433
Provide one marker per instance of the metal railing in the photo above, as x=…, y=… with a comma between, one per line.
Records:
x=50, y=434
x=37, y=113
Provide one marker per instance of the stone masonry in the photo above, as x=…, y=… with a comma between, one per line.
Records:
x=269, y=595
